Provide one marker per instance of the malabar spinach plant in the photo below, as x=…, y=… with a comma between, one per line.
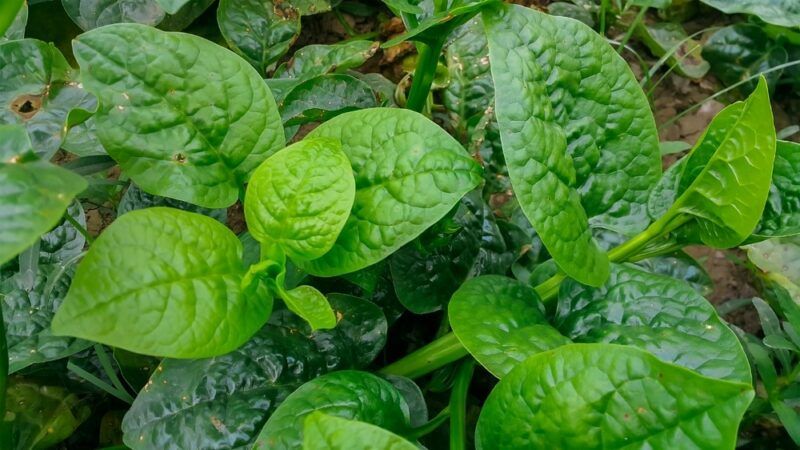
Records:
x=505, y=237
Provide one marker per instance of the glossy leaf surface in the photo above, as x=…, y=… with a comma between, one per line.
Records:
x=242, y=388
x=781, y=215
x=324, y=97
x=346, y=394
x=739, y=51
x=164, y=282
x=725, y=180
x=89, y=14
x=309, y=303
x=325, y=432
x=501, y=322
x=37, y=91
x=564, y=155
x=179, y=125
x=655, y=313
x=260, y=30
x=300, y=198
x=409, y=173
x=601, y=396
x=779, y=12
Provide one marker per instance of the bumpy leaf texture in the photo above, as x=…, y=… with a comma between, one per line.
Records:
x=300, y=198
x=184, y=117
x=602, y=396
x=571, y=115
x=785, y=13
x=223, y=402
x=325, y=432
x=409, y=173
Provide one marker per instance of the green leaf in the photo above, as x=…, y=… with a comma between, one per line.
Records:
x=180, y=126
x=655, y=313
x=164, y=282
x=575, y=147
x=16, y=28
x=571, y=10
x=346, y=394
x=8, y=13
x=601, y=396
x=43, y=416
x=501, y=322
x=725, y=180
x=300, y=198
x=172, y=6
x=781, y=215
x=779, y=255
x=241, y=389
x=90, y=14
x=310, y=7
x=260, y=30
x=37, y=90
x=324, y=432
x=739, y=51
x=309, y=303
x=27, y=312
x=438, y=26
x=135, y=198
x=685, y=54
x=324, y=97
x=33, y=196
x=409, y=173
x=82, y=140
x=427, y=271
x=681, y=266
x=785, y=13
x=314, y=60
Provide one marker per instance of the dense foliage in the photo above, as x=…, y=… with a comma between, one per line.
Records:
x=224, y=239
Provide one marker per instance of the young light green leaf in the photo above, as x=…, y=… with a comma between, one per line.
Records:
x=300, y=198
x=40, y=93
x=781, y=215
x=182, y=126
x=725, y=180
x=325, y=432
x=501, y=322
x=785, y=13
x=309, y=303
x=33, y=195
x=602, y=396
x=346, y=394
x=260, y=30
x=409, y=173
x=565, y=157
x=242, y=388
x=655, y=313
x=164, y=282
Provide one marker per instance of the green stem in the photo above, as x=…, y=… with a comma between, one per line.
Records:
x=428, y=427
x=427, y=60
x=458, y=405
x=438, y=353
x=5, y=427
x=81, y=229
x=447, y=348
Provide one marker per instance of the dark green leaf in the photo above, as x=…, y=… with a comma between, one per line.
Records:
x=781, y=215
x=655, y=313
x=324, y=97
x=739, y=51
x=37, y=90
x=135, y=198
x=260, y=30
x=314, y=60
x=669, y=37
x=89, y=14
x=223, y=402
